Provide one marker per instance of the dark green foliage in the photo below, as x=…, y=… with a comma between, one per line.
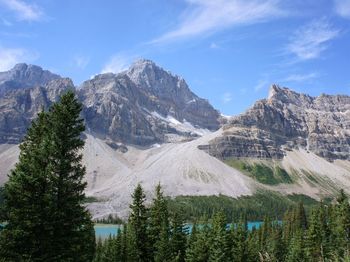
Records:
x=178, y=237
x=261, y=172
x=219, y=247
x=138, y=226
x=159, y=228
x=322, y=236
x=111, y=219
x=255, y=207
x=44, y=194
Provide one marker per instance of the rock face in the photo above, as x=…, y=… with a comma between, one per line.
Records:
x=285, y=121
x=19, y=107
x=145, y=105
x=141, y=106
x=24, y=76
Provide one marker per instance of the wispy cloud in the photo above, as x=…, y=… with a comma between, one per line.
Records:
x=24, y=11
x=11, y=56
x=260, y=85
x=6, y=22
x=309, y=41
x=117, y=63
x=342, y=8
x=81, y=61
x=205, y=17
x=214, y=46
x=226, y=97
x=300, y=77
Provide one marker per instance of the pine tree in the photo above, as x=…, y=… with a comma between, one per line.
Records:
x=198, y=251
x=73, y=228
x=162, y=246
x=296, y=252
x=238, y=239
x=138, y=225
x=158, y=221
x=45, y=192
x=178, y=237
x=218, y=248
x=27, y=199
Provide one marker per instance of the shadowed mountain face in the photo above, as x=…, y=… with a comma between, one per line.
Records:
x=288, y=120
x=141, y=106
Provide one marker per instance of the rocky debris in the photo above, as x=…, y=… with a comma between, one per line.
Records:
x=288, y=120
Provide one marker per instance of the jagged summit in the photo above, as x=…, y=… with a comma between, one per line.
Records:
x=288, y=120
x=23, y=76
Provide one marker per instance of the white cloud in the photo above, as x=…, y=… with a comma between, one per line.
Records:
x=309, y=41
x=203, y=17
x=81, y=61
x=342, y=8
x=300, y=77
x=11, y=56
x=116, y=64
x=214, y=46
x=226, y=97
x=6, y=22
x=260, y=85
x=23, y=11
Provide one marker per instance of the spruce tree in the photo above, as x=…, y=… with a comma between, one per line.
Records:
x=158, y=221
x=138, y=225
x=219, y=250
x=178, y=237
x=45, y=192
x=29, y=231
x=73, y=228
x=198, y=251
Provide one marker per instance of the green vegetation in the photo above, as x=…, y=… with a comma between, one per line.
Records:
x=254, y=207
x=262, y=172
x=44, y=196
x=111, y=219
x=323, y=235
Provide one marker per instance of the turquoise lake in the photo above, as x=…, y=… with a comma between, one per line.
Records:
x=105, y=230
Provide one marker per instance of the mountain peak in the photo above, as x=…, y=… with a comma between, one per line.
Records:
x=24, y=75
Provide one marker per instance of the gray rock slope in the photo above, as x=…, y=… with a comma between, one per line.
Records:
x=288, y=120
x=141, y=106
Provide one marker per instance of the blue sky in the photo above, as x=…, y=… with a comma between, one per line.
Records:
x=228, y=51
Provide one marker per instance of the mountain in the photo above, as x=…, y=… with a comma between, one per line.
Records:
x=145, y=105
x=145, y=125
x=288, y=120
x=24, y=76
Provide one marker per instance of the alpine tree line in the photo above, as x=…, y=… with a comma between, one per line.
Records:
x=43, y=206
x=152, y=234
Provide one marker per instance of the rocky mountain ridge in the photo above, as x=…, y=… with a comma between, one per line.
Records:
x=141, y=106
x=144, y=125
x=284, y=121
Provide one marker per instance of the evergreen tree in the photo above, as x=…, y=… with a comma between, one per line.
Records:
x=73, y=228
x=178, y=237
x=163, y=251
x=44, y=195
x=198, y=251
x=27, y=199
x=219, y=250
x=158, y=221
x=138, y=225
x=296, y=252
x=239, y=247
